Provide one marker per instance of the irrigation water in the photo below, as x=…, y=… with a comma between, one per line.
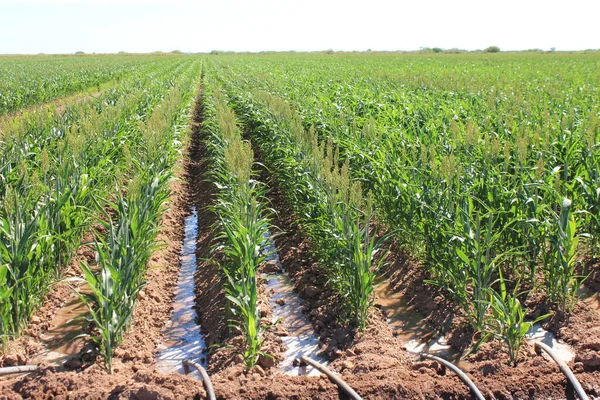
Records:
x=287, y=311
x=418, y=338
x=409, y=326
x=183, y=340
x=64, y=338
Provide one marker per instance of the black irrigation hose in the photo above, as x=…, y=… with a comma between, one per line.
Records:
x=333, y=376
x=458, y=372
x=564, y=369
x=205, y=378
x=18, y=369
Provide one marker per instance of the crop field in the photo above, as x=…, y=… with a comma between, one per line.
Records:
x=423, y=209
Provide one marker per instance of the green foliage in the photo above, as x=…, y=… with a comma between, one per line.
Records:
x=472, y=280
x=27, y=81
x=122, y=260
x=242, y=220
x=328, y=202
x=124, y=254
x=507, y=321
x=560, y=279
x=423, y=137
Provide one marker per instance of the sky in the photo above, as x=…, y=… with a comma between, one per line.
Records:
x=109, y=26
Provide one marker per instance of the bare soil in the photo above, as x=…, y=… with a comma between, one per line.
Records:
x=592, y=271
x=581, y=329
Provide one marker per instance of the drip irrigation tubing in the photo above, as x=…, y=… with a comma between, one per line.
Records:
x=564, y=369
x=333, y=376
x=205, y=378
x=458, y=372
x=18, y=369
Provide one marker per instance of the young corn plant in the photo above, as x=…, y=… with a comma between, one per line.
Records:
x=5, y=292
x=242, y=238
x=471, y=282
x=342, y=232
x=122, y=258
x=560, y=276
x=24, y=244
x=507, y=321
x=359, y=275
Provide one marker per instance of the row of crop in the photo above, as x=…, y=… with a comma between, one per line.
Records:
x=26, y=81
x=477, y=207
x=518, y=176
x=330, y=205
x=242, y=218
x=113, y=285
x=25, y=138
x=54, y=170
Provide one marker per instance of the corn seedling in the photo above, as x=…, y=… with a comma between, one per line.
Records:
x=507, y=321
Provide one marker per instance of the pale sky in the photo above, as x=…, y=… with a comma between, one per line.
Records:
x=104, y=26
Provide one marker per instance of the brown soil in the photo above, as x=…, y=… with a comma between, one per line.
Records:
x=581, y=329
x=535, y=376
x=592, y=268
x=408, y=277
x=135, y=376
x=94, y=383
x=210, y=296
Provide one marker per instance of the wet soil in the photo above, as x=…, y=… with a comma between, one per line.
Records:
x=407, y=277
x=373, y=362
x=183, y=340
x=291, y=325
x=43, y=332
x=210, y=295
x=409, y=324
